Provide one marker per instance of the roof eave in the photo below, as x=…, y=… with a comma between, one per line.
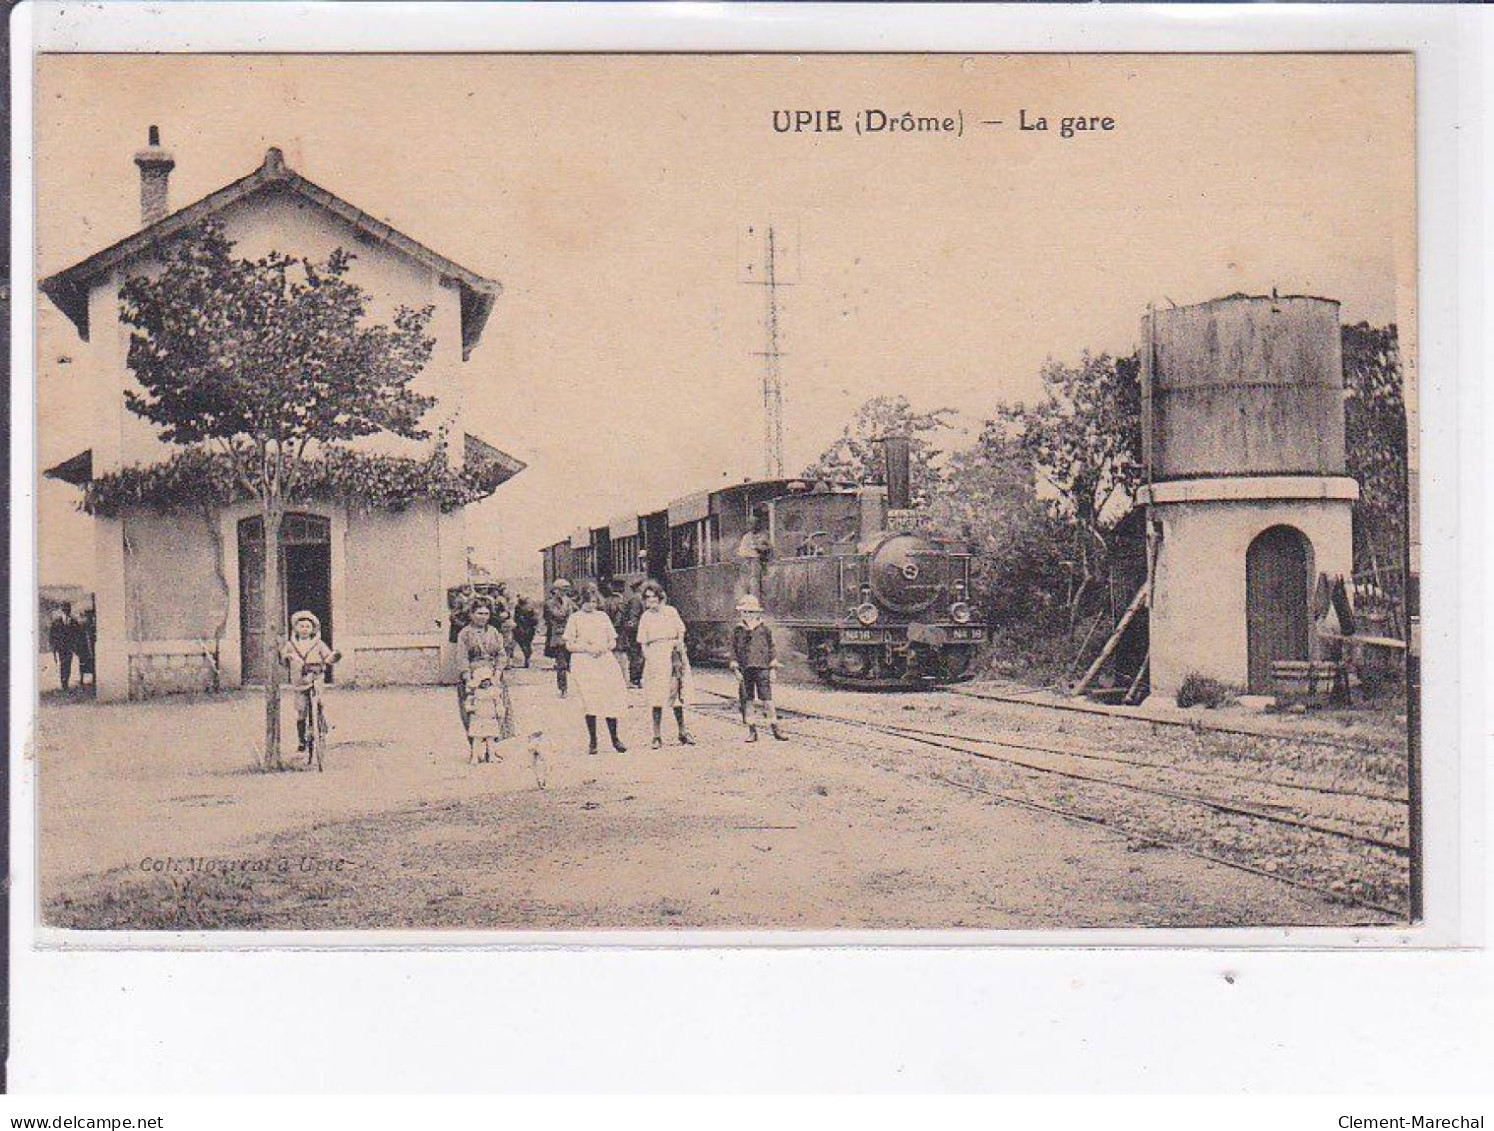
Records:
x=77, y=469
x=477, y=305
x=69, y=288
x=477, y=450
x=69, y=298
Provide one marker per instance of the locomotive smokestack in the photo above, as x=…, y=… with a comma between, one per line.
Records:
x=895, y=454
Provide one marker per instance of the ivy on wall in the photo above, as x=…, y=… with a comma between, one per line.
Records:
x=199, y=476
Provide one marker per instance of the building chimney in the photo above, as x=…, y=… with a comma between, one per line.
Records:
x=895, y=453
x=155, y=171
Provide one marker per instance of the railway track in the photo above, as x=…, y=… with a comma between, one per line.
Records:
x=1193, y=725
x=1094, y=755
x=1351, y=861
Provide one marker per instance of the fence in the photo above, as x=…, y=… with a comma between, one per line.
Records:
x=1379, y=598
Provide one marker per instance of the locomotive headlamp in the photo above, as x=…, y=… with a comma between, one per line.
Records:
x=959, y=612
x=867, y=613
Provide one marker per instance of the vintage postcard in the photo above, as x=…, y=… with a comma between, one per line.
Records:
x=726, y=492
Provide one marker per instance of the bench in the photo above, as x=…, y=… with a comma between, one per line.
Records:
x=1310, y=681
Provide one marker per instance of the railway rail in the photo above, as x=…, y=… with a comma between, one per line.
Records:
x=1187, y=724
x=1092, y=755
x=1385, y=858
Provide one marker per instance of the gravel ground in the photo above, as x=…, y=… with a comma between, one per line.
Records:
x=833, y=829
x=1326, y=809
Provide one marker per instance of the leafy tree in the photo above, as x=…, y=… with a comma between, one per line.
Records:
x=266, y=361
x=856, y=458
x=1017, y=545
x=1376, y=442
x=1084, y=441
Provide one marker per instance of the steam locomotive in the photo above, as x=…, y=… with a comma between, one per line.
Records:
x=868, y=607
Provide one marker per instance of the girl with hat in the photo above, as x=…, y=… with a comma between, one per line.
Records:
x=589, y=641
x=307, y=656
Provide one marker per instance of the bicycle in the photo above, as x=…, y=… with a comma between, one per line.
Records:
x=316, y=717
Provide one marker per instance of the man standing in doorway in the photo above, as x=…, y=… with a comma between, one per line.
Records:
x=615, y=605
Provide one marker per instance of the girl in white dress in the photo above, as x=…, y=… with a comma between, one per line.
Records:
x=667, y=679
x=590, y=638
x=489, y=716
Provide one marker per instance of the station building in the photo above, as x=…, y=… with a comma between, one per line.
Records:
x=179, y=591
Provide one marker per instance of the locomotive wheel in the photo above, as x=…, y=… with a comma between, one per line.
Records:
x=844, y=667
x=863, y=670
x=955, y=664
x=819, y=647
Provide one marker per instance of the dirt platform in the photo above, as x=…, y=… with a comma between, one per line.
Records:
x=153, y=816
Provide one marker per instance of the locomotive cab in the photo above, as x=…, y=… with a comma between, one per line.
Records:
x=818, y=522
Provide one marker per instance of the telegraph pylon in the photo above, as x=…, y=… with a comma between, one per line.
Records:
x=768, y=277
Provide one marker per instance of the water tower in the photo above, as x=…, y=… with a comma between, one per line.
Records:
x=1243, y=433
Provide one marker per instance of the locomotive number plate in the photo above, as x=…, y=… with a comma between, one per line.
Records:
x=967, y=634
x=862, y=636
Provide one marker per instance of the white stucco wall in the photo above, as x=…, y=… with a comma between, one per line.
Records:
x=1198, y=616
x=398, y=565
x=389, y=574
x=279, y=221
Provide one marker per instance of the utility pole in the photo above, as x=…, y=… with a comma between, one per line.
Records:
x=763, y=270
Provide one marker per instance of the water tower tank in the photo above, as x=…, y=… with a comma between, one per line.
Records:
x=1245, y=386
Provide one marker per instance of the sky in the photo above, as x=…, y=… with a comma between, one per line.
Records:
x=610, y=195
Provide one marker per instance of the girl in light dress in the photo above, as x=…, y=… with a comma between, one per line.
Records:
x=667, y=679
x=595, y=676
x=489, y=718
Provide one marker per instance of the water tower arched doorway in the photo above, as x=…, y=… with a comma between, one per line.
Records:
x=1277, y=567
x=305, y=579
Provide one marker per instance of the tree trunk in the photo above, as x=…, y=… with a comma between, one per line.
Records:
x=273, y=627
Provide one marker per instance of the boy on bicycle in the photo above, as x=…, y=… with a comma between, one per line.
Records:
x=307, y=657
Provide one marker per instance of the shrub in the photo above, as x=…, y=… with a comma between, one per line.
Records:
x=1036, y=651
x=1202, y=690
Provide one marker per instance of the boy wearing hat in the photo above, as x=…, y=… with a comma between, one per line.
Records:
x=753, y=660
x=306, y=655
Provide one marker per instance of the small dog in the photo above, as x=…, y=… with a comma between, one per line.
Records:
x=537, y=757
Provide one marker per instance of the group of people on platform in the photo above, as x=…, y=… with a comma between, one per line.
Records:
x=601, y=643
x=72, y=637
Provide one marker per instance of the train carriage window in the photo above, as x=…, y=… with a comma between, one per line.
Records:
x=710, y=550
x=627, y=555
x=693, y=544
x=682, y=546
